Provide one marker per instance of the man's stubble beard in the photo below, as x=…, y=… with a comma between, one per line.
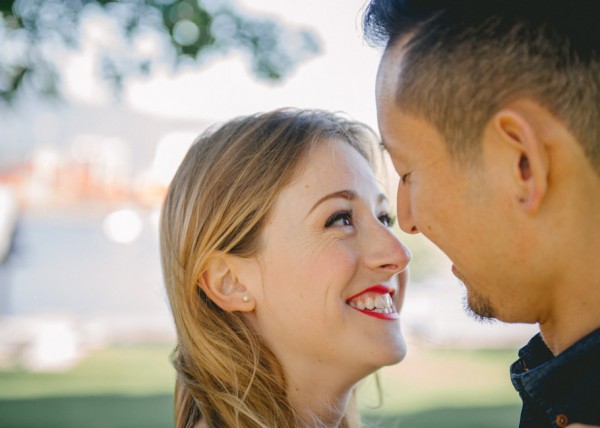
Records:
x=478, y=307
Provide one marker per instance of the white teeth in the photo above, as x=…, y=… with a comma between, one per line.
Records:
x=381, y=303
x=388, y=301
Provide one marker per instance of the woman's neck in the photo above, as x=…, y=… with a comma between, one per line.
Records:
x=319, y=404
x=316, y=412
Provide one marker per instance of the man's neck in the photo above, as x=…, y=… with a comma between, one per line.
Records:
x=575, y=311
x=558, y=340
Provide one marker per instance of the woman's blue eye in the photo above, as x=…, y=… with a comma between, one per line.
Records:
x=341, y=218
x=387, y=220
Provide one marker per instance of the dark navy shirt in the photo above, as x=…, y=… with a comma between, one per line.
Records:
x=557, y=391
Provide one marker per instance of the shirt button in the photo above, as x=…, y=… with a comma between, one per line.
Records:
x=562, y=420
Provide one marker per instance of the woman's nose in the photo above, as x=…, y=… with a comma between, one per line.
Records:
x=386, y=252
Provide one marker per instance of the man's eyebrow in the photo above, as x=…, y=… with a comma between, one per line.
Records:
x=382, y=144
x=398, y=156
x=347, y=195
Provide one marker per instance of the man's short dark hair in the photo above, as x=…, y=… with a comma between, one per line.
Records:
x=465, y=59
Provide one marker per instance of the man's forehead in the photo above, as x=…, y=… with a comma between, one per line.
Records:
x=386, y=70
x=390, y=69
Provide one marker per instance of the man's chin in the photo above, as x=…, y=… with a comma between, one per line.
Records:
x=479, y=308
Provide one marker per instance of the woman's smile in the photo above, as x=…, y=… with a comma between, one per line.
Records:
x=376, y=301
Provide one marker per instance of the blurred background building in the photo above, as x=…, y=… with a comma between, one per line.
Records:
x=83, y=173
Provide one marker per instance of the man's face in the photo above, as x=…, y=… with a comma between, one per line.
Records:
x=462, y=209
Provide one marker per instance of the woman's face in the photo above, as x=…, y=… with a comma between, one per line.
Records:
x=332, y=273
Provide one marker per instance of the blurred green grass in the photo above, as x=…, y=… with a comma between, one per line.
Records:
x=126, y=370
x=131, y=387
x=437, y=387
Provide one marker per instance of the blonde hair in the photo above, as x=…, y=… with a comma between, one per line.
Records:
x=219, y=200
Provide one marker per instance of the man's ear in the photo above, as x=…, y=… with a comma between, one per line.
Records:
x=528, y=155
x=222, y=285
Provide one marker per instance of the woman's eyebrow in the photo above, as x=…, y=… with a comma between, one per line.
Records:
x=347, y=195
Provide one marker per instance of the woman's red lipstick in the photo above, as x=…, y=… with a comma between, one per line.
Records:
x=375, y=301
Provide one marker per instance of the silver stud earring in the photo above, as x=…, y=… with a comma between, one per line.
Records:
x=245, y=298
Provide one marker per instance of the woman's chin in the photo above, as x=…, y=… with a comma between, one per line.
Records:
x=391, y=356
x=398, y=353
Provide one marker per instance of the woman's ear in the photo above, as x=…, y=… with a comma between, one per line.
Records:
x=222, y=285
x=529, y=159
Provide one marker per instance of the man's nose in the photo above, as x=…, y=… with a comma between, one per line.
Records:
x=404, y=210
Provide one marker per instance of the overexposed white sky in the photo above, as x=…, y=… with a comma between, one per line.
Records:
x=340, y=78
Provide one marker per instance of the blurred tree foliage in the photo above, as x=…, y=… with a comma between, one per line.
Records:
x=35, y=34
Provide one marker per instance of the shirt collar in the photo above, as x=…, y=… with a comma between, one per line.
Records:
x=537, y=369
